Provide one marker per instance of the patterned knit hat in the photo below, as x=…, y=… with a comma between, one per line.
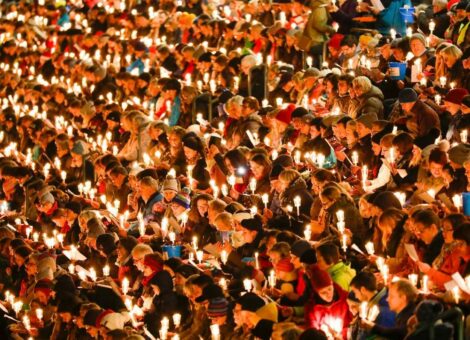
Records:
x=182, y=198
x=218, y=307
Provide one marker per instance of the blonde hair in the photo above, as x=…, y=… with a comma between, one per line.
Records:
x=363, y=83
x=289, y=175
x=452, y=51
x=142, y=249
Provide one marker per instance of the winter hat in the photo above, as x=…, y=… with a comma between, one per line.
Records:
x=186, y=270
x=151, y=261
x=299, y=247
x=182, y=199
x=92, y=316
x=386, y=200
x=284, y=265
x=335, y=41
x=456, y=96
x=407, y=95
x=251, y=302
x=163, y=281
x=418, y=36
x=253, y=224
x=460, y=153
x=428, y=310
x=79, y=148
x=105, y=243
x=46, y=197
x=319, y=278
x=128, y=243
x=95, y=228
x=171, y=184
x=285, y=115
x=211, y=291
x=218, y=307
x=367, y=119
x=311, y=72
x=299, y=112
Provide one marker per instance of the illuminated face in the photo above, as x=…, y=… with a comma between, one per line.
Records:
x=327, y=293
x=435, y=169
x=190, y=153
x=396, y=301
x=257, y=169
x=202, y=207
x=417, y=47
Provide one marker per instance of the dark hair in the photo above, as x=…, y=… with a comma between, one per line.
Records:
x=403, y=142
x=349, y=40
x=236, y=158
x=456, y=220
x=329, y=251
x=427, y=218
x=365, y=279
x=463, y=233
x=438, y=156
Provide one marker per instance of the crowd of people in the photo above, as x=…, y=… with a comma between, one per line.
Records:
x=234, y=169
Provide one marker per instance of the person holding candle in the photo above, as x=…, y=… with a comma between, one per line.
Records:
x=364, y=286
x=454, y=254
x=427, y=228
x=328, y=300
x=452, y=105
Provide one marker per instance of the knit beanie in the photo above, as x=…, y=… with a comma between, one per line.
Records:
x=418, y=36
x=171, y=184
x=319, y=278
x=218, y=307
x=285, y=115
x=456, y=96
x=407, y=95
x=105, y=243
x=459, y=154
x=182, y=199
x=299, y=247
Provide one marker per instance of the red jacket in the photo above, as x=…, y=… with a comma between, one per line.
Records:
x=454, y=262
x=318, y=314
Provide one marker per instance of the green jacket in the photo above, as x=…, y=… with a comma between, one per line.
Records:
x=342, y=274
x=317, y=26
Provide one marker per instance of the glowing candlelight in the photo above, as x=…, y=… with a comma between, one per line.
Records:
x=232, y=180
x=253, y=185
x=425, y=284
x=39, y=313
x=256, y=260
x=265, y=198
x=279, y=101
x=344, y=242
x=437, y=99
x=464, y=136
x=172, y=237
x=413, y=279
x=355, y=158
x=432, y=26
x=247, y=285
x=272, y=279
x=195, y=242
x=393, y=33
x=215, y=332
x=308, y=232
x=224, y=256
x=456, y=294
x=106, y=270
x=457, y=200
x=177, y=319
x=443, y=81
x=125, y=285
x=297, y=204
x=370, y=248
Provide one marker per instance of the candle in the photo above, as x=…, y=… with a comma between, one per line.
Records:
x=279, y=101
x=413, y=279
x=443, y=81
x=223, y=283
x=125, y=285
x=308, y=232
x=365, y=174
x=370, y=248
x=232, y=180
x=456, y=294
x=391, y=153
x=425, y=284
x=223, y=256
x=256, y=260
x=71, y=268
x=215, y=332
x=309, y=61
x=39, y=313
x=432, y=26
x=393, y=33
x=320, y=160
x=199, y=255
x=344, y=242
x=409, y=32
x=26, y=323
x=92, y=274
x=355, y=158
x=106, y=270
x=247, y=285
x=184, y=218
x=195, y=242
x=253, y=185
x=177, y=319
x=282, y=18
x=297, y=156
x=272, y=279
x=297, y=204
x=265, y=198
x=457, y=200
x=340, y=215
